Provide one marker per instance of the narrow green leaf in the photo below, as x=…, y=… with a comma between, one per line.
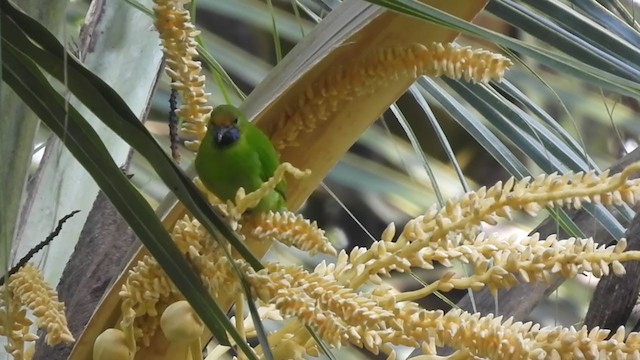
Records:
x=74, y=77
x=257, y=322
x=569, y=40
x=616, y=5
x=607, y=20
x=274, y=31
x=521, y=99
x=442, y=138
x=522, y=136
x=585, y=29
x=475, y=128
x=87, y=147
x=417, y=147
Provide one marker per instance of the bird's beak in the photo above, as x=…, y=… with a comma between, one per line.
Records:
x=220, y=133
x=226, y=135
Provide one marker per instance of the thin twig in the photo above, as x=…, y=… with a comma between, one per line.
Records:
x=38, y=247
x=173, y=124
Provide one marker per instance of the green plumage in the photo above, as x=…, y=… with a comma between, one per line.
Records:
x=233, y=154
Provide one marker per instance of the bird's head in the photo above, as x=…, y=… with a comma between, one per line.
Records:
x=226, y=124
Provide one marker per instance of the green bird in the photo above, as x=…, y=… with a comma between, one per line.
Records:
x=234, y=153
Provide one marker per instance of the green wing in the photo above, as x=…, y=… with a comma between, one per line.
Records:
x=267, y=155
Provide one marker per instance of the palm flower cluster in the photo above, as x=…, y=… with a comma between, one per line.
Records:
x=178, y=38
x=148, y=295
x=332, y=298
x=322, y=99
x=26, y=292
x=347, y=301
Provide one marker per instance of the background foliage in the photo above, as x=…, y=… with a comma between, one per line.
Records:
x=570, y=104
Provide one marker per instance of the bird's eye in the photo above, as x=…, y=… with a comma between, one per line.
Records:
x=235, y=121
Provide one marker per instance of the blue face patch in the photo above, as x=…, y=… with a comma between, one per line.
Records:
x=225, y=136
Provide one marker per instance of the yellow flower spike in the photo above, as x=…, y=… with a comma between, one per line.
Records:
x=496, y=259
x=322, y=99
x=126, y=325
x=206, y=256
x=286, y=344
x=243, y=201
x=293, y=349
x=147, y=291
x=29, y=288
x=30, y=351
x=211, y=197
x=145, y=294
x=480, y=336
x=322, y=303
x=289, y=229
x=458, y=221
x=532, y=259
x=17, y=330
x=240, y=316
x=487, y=336
x=112, y=345
x=177, y=35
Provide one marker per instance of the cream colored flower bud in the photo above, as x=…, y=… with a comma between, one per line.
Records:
x=180, y=324
x=111, y=345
